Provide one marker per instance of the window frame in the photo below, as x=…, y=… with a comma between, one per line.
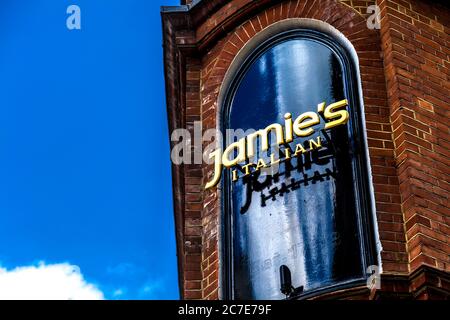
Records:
x=364, y=197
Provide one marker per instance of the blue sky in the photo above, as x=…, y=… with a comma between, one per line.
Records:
x=84, y=148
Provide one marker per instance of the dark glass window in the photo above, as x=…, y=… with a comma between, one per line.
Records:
x=312, y=212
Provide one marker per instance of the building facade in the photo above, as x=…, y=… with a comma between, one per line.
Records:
x=345, y=182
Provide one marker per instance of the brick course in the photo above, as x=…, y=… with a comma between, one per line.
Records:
x=416, y=55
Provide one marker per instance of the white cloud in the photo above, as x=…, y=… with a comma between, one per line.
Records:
x=46, y=282
x=152, y=289
x=118, y=293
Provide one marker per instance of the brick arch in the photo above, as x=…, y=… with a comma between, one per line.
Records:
x=379, y=131
x=269, y=32
x=343, y=17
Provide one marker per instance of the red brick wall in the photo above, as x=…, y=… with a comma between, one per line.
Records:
x=416, y=55
x=367, y=44
x=359, y=5
x=404, y=74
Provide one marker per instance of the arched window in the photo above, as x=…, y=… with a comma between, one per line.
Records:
x=312, y=213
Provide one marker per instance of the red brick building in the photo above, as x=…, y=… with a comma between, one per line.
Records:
x=217, y=51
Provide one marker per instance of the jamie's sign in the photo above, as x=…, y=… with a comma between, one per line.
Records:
x=334, y=115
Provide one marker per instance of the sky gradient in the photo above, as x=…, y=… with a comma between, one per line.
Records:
x=84, y=150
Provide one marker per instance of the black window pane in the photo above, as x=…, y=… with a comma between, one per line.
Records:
x=305, y=215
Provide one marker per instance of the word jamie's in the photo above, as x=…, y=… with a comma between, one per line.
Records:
x=334, y=115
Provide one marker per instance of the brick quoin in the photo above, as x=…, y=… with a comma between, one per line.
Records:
x=405, y=72
x=416, y=58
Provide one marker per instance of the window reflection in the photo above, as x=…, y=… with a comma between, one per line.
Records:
x=305, y=216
